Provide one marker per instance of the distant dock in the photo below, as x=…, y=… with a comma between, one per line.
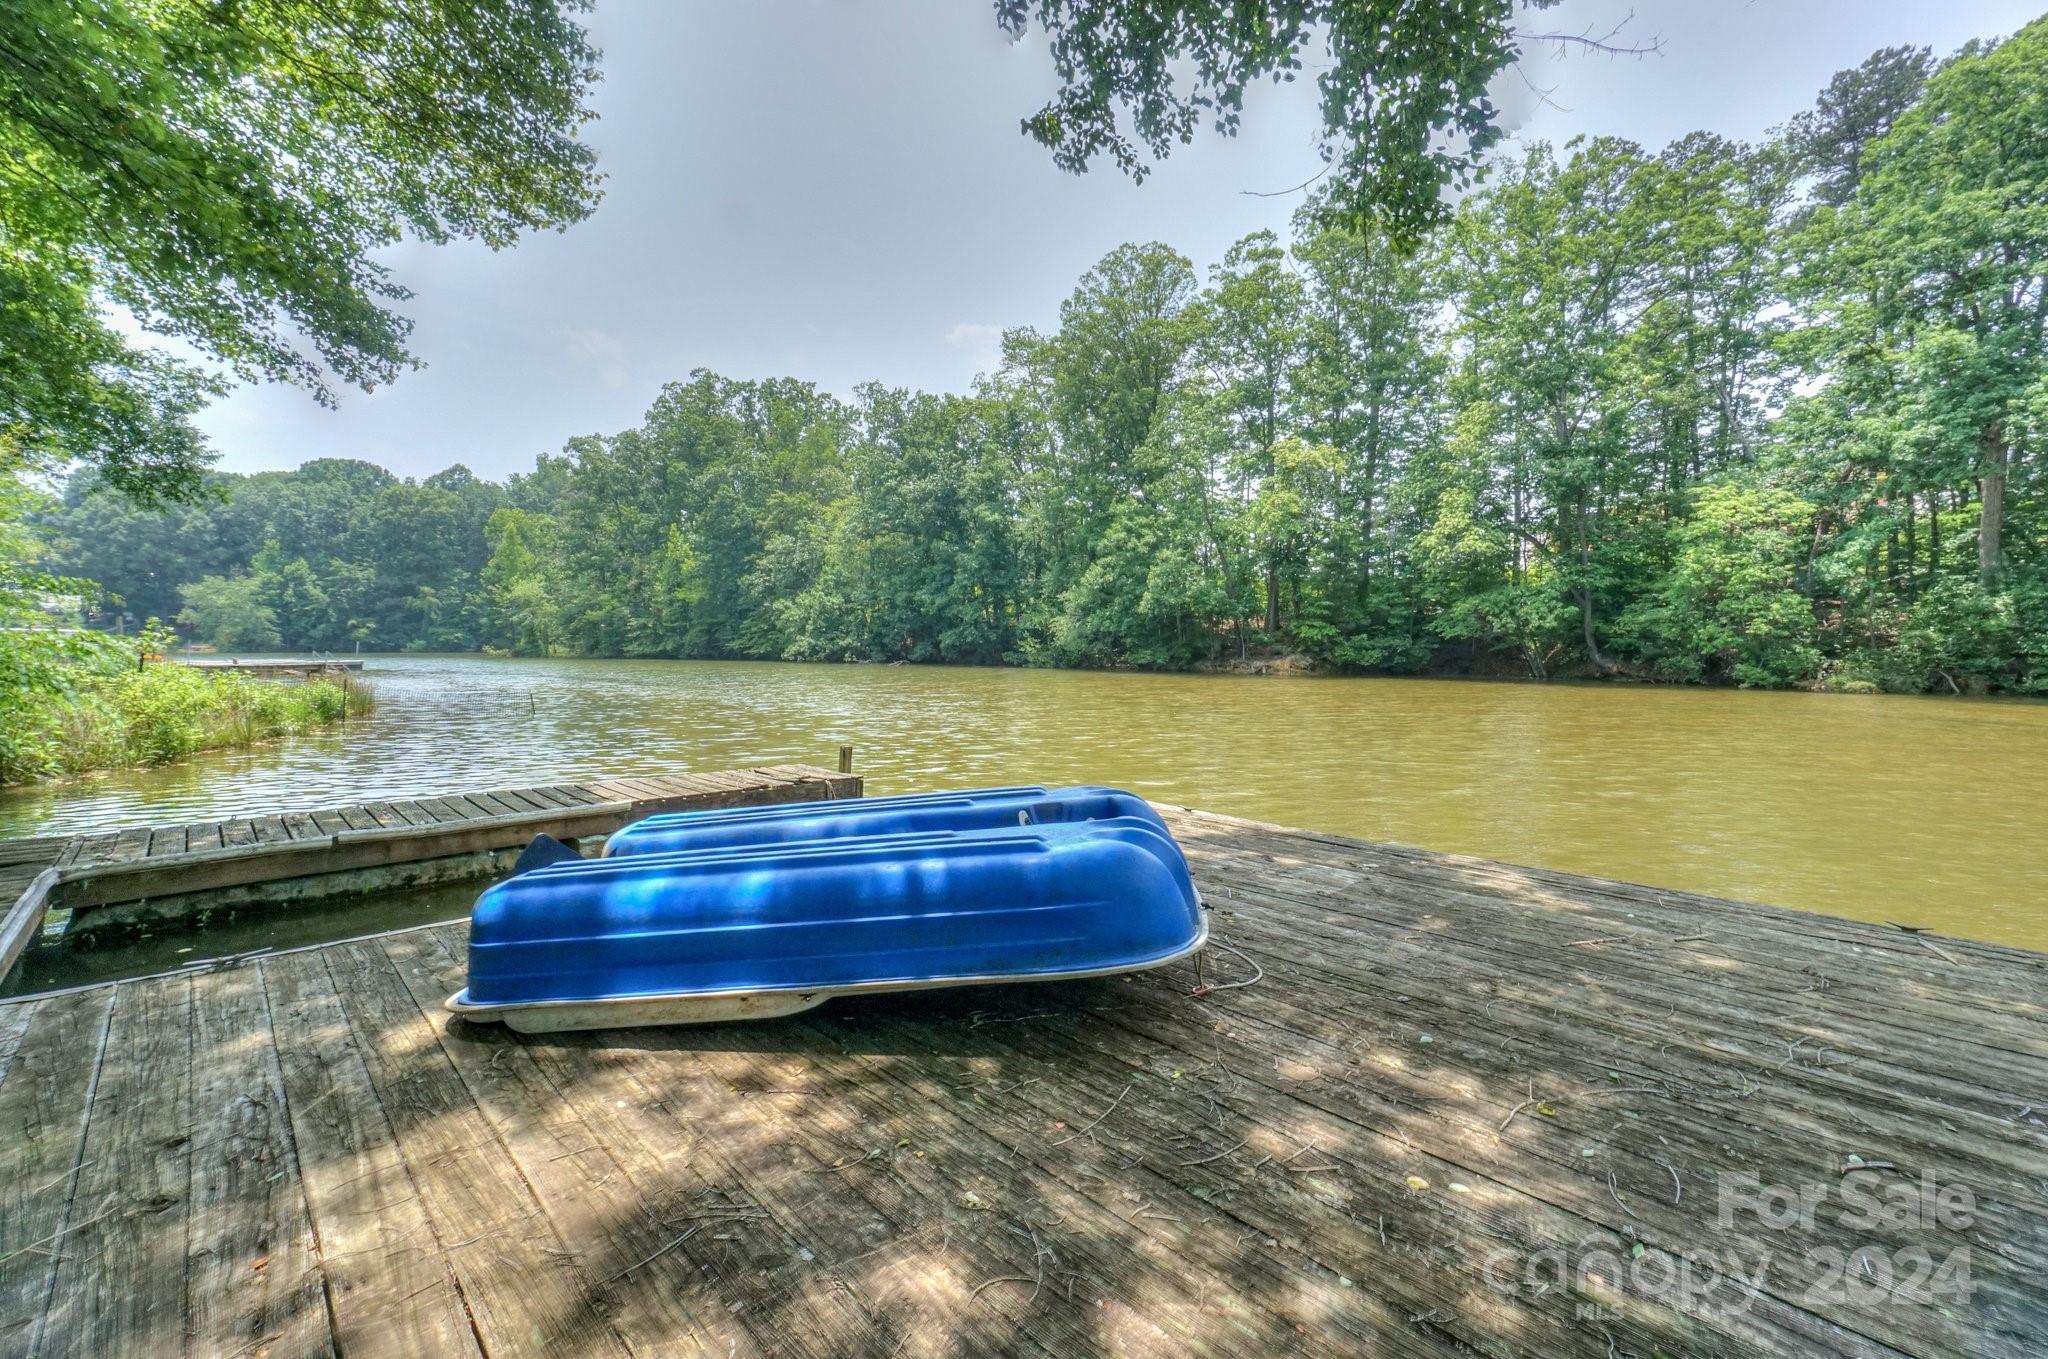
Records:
x=277, y=669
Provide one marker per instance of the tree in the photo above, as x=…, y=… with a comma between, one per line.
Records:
x=518, y=614
x=1858, y=107
x=1550, y=268
x=1254, y=325
x=1935, y=272
x=225, y=173
x=1708, y=212
x=229, y=613
x=1730, y=607
x=1095, y=393
x=1403, y=87
x=296, y=600
x=1369, y=386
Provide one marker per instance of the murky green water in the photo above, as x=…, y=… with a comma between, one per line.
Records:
x=1924, y=811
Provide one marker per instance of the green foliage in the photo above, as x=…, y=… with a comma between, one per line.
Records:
x=46, y=683
x=1766, y=415
x=225, y=173
x=230, y=614
x=69, y=704
x=1730, y=606
x=519, y=615
x=1405, y=107
x=1858, y=107
x=335, y=553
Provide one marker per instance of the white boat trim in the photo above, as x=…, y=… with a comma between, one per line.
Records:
x=713, y=1007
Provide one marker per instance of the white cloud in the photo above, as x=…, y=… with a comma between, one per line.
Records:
x=981, y=342
x=602, y=350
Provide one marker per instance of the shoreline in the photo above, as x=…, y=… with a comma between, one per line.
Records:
x=141, y=720
x=1283, y=667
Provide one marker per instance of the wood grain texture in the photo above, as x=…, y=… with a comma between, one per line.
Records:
x=253, y=1285
x=46, y=1100
x=183, y=867
x=1464, y=1108
x=120, y=1280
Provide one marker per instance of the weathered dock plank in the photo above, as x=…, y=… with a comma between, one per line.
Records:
x=1431, y=1106
x=120, y=1280
x=188, y=861
x=588, y=1181
x=46, y=1099
x=253, y=1285
x=24, y=919
x=390, y=1290
x=517, y=1275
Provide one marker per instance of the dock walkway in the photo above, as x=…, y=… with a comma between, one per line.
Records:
x=273, y=668
x=367, y=845
x=1460, y=1108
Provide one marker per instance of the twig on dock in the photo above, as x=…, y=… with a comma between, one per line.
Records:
x=76, y=1226
x=1583, y=1094
x=1008, y=1278
x=1301, y=1150
x=1039, y=1254
x=1617, y=1195
x=733, y=1214
x=1919, y=935
x=650, y=1259
x=1937, y=950
x=981, y=1017
x=1098, y=1122
x=1218, y=1156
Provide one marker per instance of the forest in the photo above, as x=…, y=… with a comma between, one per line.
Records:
x=1750, y=414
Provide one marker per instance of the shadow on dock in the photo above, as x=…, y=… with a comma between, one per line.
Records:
x=1463, y=1108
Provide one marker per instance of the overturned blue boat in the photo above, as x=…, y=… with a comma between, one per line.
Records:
x=706, y=916
x=788, y=823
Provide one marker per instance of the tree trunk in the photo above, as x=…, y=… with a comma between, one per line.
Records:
x=1933, y=536
x=1909, y=579
x=1603, y=664
x=1372, y=486
x=1272, y=598
x=1991, y=494
x=1223, y=563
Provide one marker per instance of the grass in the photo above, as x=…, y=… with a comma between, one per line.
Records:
x=116, y=719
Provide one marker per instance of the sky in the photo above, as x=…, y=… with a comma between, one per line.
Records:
x=837, y=190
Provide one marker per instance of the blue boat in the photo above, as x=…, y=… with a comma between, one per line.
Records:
x=773, y=926
x=788, y=823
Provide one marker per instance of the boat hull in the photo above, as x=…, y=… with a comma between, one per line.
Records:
x=727, y=1007
x=757, y=930
x=980, y=809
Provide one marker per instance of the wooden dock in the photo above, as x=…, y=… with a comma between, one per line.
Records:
x=276, y=669
x=1462, y=1108
x=165, y=873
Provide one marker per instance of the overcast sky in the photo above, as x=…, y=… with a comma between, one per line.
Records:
x=837, y=190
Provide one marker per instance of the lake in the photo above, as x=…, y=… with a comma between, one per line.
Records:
x=1925, y=811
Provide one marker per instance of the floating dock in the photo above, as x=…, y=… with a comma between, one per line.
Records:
x=1411, y=1105
x=276, y=669
x=169, y=873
